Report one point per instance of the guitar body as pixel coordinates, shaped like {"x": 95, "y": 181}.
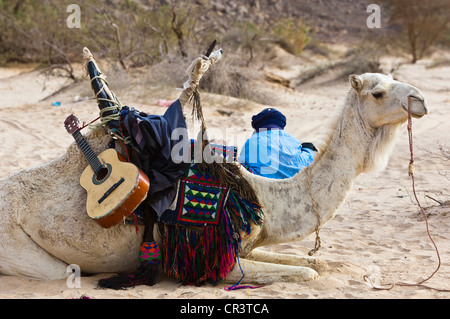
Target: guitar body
{"x": 115, "y": 190}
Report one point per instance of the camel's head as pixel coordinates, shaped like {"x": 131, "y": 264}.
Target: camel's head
{"x": 383, "y": 100}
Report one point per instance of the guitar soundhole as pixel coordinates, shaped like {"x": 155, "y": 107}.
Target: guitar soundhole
{"x": 102, "y": 174}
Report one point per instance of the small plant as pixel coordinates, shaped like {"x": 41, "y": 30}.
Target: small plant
{"x": 245, "y": 36}
{"x": 421, "y": 24}
{"x": 292, "y": 34}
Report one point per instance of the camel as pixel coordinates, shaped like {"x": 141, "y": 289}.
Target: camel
{"x": 44, "y": 226}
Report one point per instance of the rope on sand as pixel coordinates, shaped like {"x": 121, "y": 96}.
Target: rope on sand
{"x": 411, "y": 173}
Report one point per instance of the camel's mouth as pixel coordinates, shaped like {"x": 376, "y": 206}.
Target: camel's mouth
{"x": 418, "y": 107}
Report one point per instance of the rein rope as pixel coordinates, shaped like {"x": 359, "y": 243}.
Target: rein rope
{"x": 411, "y": 173}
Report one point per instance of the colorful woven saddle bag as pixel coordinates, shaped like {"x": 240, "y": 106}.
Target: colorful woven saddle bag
{"x": 201, "y": 236}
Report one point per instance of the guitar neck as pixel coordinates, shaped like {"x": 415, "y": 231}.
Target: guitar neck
{"x": 87, "y": 151}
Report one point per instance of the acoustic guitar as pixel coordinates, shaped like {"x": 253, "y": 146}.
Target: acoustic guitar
{"x": 114, "y": 187}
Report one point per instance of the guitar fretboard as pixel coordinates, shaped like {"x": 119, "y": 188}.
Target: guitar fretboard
{"x": 87, "y": 151}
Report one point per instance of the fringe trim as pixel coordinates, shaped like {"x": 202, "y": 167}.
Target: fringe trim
{"x": 149, "y": 258}
{"x": 145, "y": 275}
{"x": 195, "y": 255}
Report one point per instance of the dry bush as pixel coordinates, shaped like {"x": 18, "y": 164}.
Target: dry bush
{"x": 36, "y": 32}
{"x": 123, "y": 31}
{"x": 362, "y": 59}
{"x": 291, "y": 34}
{"x": 229, "y": 77}
{"x": 243, "y": 37}
{"x": 225, "y": 78}
{"x": 420, "y": 24}
{"x": 441, "y": 155}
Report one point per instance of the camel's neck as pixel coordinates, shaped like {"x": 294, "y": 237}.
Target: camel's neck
{"x": 289, "y": 204}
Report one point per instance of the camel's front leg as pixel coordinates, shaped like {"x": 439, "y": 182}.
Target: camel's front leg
{"x": 286, "y": 259}
{"x": 263, "y": 273}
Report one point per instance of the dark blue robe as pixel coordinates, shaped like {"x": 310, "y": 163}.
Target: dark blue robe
{"x": 152, "y": 140}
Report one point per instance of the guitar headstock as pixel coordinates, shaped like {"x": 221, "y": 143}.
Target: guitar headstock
{"x": 72, "y": 124}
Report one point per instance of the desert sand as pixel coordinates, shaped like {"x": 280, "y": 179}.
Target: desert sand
{"x": 379, "y": 231}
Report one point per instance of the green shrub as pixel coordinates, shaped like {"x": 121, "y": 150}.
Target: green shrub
{"x": 292, "y": 34}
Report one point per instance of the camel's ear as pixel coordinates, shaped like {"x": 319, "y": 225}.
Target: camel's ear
{"x": 356, "y": 82}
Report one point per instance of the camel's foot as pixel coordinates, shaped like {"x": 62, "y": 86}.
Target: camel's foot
{"x": 264, "y": 273}
{"x": 317, "y": 264}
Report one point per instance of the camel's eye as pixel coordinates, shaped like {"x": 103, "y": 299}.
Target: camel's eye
{"x": 377, "y": 95}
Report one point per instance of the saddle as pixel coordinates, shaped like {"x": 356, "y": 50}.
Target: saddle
{"x": 201, "y": 232}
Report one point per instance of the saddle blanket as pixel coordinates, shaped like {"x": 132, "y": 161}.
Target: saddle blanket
{"x": 200, "y": 200}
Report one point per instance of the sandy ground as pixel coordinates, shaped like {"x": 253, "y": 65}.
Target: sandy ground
{"x": 379, "y": 231}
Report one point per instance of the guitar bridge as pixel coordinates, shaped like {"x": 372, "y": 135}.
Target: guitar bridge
{"x": 110, "y": 190}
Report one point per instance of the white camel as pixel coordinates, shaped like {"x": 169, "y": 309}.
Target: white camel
{"x": 44, "y": 226}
